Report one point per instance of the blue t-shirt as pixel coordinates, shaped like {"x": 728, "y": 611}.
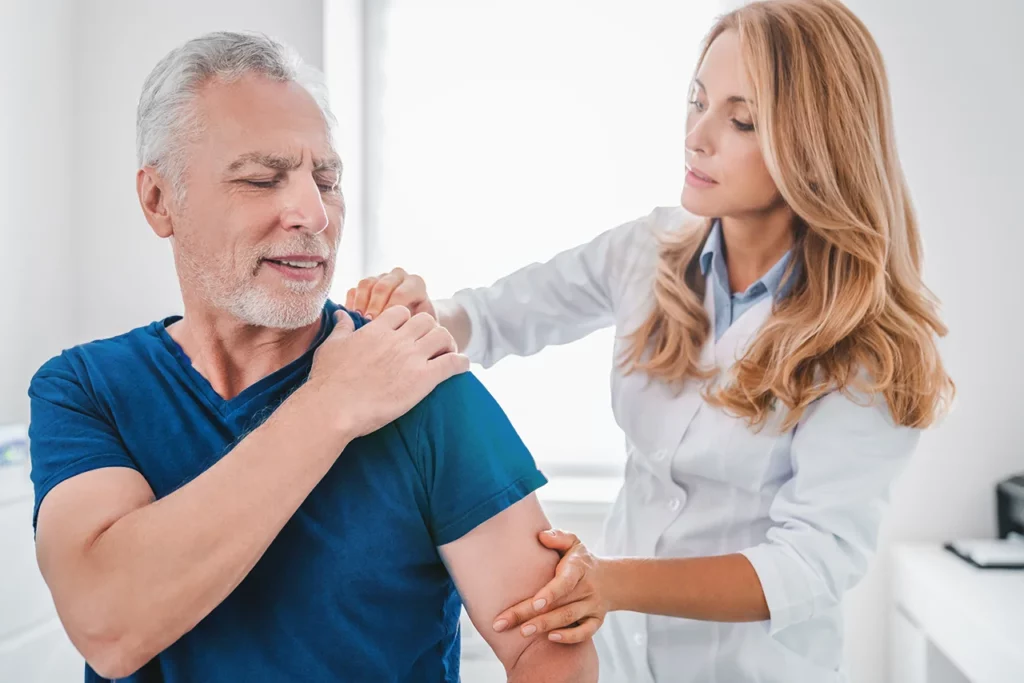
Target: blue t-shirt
{"x": 353, "y": 588}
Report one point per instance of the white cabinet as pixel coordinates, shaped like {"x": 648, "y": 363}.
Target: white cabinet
{"x": 33, "y": 646}
{"x": 953, "y": 623}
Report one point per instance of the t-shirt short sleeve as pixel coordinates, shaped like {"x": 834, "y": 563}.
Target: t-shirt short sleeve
{"x": 474, "y": 462}
{"x": 68, "y": 432}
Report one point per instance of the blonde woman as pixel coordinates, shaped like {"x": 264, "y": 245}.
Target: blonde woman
{"x": 775, "y": 364}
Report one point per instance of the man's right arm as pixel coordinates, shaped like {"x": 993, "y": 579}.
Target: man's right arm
{"x": 130, "y": 575}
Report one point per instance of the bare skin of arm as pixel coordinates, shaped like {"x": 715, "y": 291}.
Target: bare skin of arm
{"x": 499, "y": 563}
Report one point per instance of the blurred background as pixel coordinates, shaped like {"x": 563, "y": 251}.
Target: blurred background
{"x": 481, "y": 135}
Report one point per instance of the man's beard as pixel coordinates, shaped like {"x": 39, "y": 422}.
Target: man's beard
{"x": 226, "y": 287}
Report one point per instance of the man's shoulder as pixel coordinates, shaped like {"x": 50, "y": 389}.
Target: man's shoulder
{"x": 462, "y": 394}
{"x": 72, "y": 362}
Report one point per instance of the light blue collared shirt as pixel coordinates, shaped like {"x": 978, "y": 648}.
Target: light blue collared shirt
{"x": 728, "y": 306}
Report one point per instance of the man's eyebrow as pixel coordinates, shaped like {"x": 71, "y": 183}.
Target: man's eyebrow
{"x": 272, "y": 161}
{"x": 331, "y": 163}
{"x": 278, "y": 162}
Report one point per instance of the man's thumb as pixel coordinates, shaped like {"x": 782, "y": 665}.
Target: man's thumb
{"x": 343, "y": 324}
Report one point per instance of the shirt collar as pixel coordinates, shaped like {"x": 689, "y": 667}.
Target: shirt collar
{"x": 713, "y": 258}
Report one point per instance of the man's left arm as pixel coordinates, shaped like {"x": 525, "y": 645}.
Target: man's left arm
{"x": 500, "y": 563}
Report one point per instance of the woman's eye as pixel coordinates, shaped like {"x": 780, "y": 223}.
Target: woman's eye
{"x": 745, "y": 127}
{"x": 697, "y": 104}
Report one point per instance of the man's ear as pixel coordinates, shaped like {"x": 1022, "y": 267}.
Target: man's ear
{"x": 155, "y": 197}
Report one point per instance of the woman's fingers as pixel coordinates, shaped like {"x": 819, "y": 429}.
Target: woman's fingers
{"x": 558, "y": 618}
{"x": 567, "y": 576}
{"x": 380, "y": 294}
{"x": 585, "y": 630}
{"x": 515, "y": 615}
{"x": 556, "y": 539}
{"x": 361, "y": 297}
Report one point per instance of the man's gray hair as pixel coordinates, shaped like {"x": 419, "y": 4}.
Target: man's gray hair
{"x": 167, "y": 118}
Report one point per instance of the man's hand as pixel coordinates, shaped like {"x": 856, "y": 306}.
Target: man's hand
{"x": 398, "y": 288}
{"x": 370, "y": 377}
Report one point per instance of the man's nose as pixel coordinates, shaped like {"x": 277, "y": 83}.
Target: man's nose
{"x": 304, "y": 207}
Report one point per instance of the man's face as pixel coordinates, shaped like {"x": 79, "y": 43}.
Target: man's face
{"x": 258, "y": 232}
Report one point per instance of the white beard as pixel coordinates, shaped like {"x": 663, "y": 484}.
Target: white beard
{"x": 248, "y": 301}
{"x": 255, "y": 306}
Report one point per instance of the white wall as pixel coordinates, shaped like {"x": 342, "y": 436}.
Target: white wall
{"x": 36, "y": 187}
{"x": 124, "y": 275}
{"x": 36, "y": 301}
{"x": 957, "y": 79}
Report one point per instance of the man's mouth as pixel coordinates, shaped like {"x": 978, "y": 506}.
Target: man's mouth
{"x": 295, "y": 264}
{"x": 304, "y": 267}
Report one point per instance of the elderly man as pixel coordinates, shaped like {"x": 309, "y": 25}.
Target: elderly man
{"x": 271, "y": 488}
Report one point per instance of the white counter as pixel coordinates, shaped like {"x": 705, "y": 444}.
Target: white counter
{"x": 944, "y": 608}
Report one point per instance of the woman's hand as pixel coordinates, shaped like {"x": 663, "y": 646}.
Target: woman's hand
{"x": 572, "y": 606}
{"x": 398, "y": 288}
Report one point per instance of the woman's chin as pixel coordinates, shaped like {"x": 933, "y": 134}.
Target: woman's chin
{"x": 697, "y": 205}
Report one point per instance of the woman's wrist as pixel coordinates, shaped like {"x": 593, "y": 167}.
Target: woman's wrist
{"x": 615, "y": 581}
{"x": 453, "y": 317}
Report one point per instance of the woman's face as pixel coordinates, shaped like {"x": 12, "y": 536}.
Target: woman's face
{"x": 726, "y": 174}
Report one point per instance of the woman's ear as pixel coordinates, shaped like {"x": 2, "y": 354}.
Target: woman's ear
{"x": 154, "y": 198}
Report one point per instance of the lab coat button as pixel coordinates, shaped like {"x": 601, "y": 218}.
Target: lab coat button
{"x": 674, "y": 504}
{"x": 638, "y": 639}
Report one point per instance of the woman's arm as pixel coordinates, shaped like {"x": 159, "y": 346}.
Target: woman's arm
{"x": 722, "y": 588}
{"x": 556, "y": 302}
{"x": 586, "y": 588}
{"x": 544, "y": 304}
{"x": 825, "y": 519}
{"x": 711, "y": 589}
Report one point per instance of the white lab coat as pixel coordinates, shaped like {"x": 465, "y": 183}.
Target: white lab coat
{"x": 803, "y": 506}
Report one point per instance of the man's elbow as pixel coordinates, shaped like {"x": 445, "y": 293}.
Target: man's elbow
{"x": 110, "y": 659}
{"x": 111, "y": 663}
{"x": 111, "y": 651}
{"x": 542, "y": 661}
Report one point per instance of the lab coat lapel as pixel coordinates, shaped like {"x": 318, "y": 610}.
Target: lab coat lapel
{"x": 690, "y": 399}
{"x": 733, "y": 344}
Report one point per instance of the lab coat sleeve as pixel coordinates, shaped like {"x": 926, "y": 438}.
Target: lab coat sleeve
{"x": 556, "y": 302}
{"x": 845, "y": 454}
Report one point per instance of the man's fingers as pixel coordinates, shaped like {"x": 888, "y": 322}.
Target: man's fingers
{"x": 448, "y": 365}
{"x": 584, "y": 631}
{"x": 394, "y": 317}
{"x": 419, "y": 326}
{"x": 436, "y": 342}
{"x": 343, "y": 324}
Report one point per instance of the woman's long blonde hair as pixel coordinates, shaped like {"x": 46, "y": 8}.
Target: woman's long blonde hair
{"x": 858, "y": 315}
